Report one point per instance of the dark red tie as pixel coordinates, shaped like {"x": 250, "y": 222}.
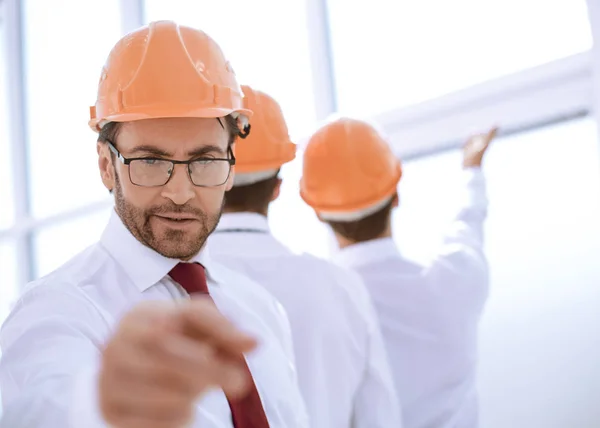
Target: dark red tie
{"x": 246, "y": 412}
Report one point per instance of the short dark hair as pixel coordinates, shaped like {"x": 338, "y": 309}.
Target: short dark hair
{"x": 110, "y": 131}
{"x": 365, "y": 229}
{"x": 254, "y": 198}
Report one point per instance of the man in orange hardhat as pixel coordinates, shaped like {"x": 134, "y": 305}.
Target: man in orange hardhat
{"x": 341, "y": 360}
{"x": 112, "y": 337}
{"x": 428, "y": 314}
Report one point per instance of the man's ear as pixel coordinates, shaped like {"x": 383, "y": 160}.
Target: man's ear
{"x": 276, "y": 190}
{"x": 395, "y": 201}
{"x": 105, "y": 164}
{"x": 231, "y": 179}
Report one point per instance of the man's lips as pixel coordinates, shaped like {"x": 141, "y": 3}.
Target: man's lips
{"x": 177, "y": 218}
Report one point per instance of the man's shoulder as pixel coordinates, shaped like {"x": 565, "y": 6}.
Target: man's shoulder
{"x": 324, "y": 278}
{"x": 331, "y": 274}
{"x": 242, "y": 285}
{"x": 66, "y": 281}
{"x": 253, "y": 297}
{"x": 315, "y": 273}
{"x": 75, "y": 271}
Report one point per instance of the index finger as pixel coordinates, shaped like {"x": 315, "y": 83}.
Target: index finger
{"x": 201, "y": 320}
{"x": 491, "y": 134}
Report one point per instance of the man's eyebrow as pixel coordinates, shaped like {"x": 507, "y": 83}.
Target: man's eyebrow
{"x": 155, "y": 151}
{"x": 200, "y": 151}
{"x": 151, "y": 150}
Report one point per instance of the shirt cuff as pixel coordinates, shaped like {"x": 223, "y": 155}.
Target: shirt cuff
{"x": 475, "y": 195}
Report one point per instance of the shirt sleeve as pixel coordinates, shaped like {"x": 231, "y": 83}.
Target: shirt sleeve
{"x": 467, "y": 228}
{"x": 460, "y": 268}
{"x": 50, "y": 355}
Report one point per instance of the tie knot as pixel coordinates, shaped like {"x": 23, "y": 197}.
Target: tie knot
{"x": 191, "y": 276}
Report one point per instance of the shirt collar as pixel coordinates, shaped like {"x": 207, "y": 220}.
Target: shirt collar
{"x": 243, "y": 221}
{"x": 144, "y": 266}
{"x": 366, "y": 252}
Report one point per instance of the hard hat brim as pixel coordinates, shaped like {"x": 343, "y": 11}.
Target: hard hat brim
{"x": 164, "y": 112}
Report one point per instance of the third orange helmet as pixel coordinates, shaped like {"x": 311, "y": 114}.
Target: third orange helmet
{"x": 348, "y": 168}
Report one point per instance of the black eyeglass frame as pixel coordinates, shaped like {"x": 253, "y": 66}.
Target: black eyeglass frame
{"x": 127, "y": 162}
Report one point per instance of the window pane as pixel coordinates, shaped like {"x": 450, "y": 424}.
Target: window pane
{"x": 6, "y": 185}
{"x": 8, "y": 277}
{"x": 543, "y": 245}
{"x": 394, "y": 53}
{"x": 266, "y": 42}
{"x": 66, "y": 46}
{"x": 55, "y": 245}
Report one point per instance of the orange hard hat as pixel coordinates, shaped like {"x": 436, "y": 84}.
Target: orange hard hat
{"x": 349, "y": 170}
{"x": 268, "y": 146}
{"x": 166, "y": 70}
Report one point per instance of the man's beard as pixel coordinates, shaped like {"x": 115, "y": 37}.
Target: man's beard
{"x": 174, "y": 244}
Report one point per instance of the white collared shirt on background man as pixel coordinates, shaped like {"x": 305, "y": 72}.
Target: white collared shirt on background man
{"x": 341, "y": 361}
{"x": 429, "y": 314}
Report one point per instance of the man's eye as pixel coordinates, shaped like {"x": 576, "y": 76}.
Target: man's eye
{"x": 204, "y": 161}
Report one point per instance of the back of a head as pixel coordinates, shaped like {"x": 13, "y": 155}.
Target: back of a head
{"x": 350, "y": 176}
{"x": 260, "y": 157}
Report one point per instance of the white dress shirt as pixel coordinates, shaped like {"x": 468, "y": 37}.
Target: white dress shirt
{"x": 52, "y": 340}
{"x": 429, "y": 315}
{"x": 341, "y": 360}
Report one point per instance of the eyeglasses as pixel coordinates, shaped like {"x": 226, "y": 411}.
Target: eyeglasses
{"x": 155, "y": 172}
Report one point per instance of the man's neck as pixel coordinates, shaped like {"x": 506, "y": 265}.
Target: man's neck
{"x": 345, "y": 242}
{"x": 234, "y": 210}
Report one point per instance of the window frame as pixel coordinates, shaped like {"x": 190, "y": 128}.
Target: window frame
{"x": 546, "y": 94}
